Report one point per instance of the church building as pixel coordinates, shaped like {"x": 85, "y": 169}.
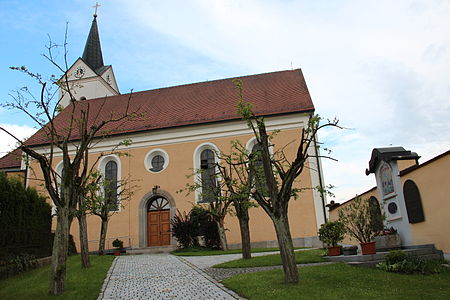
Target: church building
{"x": 181, "y": 130}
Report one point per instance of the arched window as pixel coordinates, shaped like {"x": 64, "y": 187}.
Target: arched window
{"x": 375, "y": 214}
{"x": 257, "y": 170}
{"x": 413, "y": 202}
{"x": 208, "y": 176}
{"x": 111, "y": 185}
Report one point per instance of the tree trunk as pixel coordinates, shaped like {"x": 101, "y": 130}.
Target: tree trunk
{"x": 245, "y": 235}
{"x": 286, "y": 249}
{"x": 85, "y": 261}
{"x": 104, "y": 228}
{"x": 222, "y": 236}
{"x": 59, "y": 253}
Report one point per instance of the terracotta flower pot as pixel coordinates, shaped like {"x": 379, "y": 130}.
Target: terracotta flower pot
{"x": 116, "y": 252}
{"x": 368, "y": 248}
{"x": 334, "y": 251}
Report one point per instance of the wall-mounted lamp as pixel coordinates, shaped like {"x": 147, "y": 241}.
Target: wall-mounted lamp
{"x": 155, "y": 189}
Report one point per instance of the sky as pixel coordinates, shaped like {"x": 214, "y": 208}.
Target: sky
{"x": 381, "y": 67}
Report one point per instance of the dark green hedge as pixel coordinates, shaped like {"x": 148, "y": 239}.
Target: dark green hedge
{"x": 25, "y": 219}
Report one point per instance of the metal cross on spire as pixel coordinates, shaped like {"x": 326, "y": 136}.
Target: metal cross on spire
{"x": 96, "y": 6}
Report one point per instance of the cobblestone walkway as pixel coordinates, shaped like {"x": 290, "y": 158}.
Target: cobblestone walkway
{"x": 160, "y": 276}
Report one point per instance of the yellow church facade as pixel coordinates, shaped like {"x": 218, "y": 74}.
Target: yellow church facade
{"x": 181, "y": 148}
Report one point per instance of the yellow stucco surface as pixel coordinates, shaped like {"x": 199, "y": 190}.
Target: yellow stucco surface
{"x": 125, "y": 224}
{"x": 434, "y": 187}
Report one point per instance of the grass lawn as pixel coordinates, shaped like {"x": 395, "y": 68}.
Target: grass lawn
{"x": 206, "y": 251}
{"x": 80, "y": 283}
{"x": 302, "y": 257}
{"x": 340, "y": 281}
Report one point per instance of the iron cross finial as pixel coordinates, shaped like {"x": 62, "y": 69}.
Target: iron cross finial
{"x": 96, "y": 6}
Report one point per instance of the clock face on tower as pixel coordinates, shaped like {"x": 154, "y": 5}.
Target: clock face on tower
{"x": 80, "y": 71}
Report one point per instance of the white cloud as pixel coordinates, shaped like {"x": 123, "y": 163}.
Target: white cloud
{"x": 382, "y": 67}
{"x": 8, "y": 143}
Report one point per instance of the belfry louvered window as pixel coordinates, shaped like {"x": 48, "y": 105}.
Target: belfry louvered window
{"x": 208, "y": 176}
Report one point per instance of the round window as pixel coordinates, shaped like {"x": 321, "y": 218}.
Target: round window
{"x": 156, "y": 160}
{"x": 157, "y": 163}
{"x": 392, "y": 207}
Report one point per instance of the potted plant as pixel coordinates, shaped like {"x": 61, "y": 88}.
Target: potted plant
{"x": 332, "y": 233}
{"x": 359, "y": 222}
{"x": 118, "y": 244}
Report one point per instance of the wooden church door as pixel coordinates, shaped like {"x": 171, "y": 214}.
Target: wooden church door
{"x": 158, "y": 222}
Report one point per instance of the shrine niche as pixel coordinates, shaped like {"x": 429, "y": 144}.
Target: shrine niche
{"x": 387, "y": 184}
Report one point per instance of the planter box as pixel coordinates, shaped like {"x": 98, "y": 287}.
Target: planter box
{"x": 388, "y": 242}
{"x": 334, "y": 251}
{"x": 351, "y": 250}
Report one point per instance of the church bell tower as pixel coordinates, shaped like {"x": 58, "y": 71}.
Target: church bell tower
{"x": 88, "y": 77}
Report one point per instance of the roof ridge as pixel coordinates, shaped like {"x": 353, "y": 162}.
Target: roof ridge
{"x": 197, "y": 83}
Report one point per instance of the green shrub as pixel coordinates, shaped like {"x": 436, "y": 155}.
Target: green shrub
{"x": 24, "y": 262}
{"x": 398, "y": 262}
{"x": 117, "y": 244}
{"x": 332, "y": 233}
{"x": 204, "y": 226}
{"x": 394, "y": 256}
{"x": 184, "y": 230}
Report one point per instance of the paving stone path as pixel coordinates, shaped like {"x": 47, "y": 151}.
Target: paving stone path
{"x": 160, "y": 276}
{"x": 164, "y": 276}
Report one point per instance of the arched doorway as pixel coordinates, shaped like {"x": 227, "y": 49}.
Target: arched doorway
{"x": 158, "y": 222}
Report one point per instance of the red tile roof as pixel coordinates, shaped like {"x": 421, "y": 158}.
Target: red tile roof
{"x": 11, "y": 160}
{"x": 204, "y": 102}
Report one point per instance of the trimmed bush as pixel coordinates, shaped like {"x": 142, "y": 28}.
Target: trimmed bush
{"x": 332, "y": 233}
{"x": 25, "y": 220}
{"x": 394, "y": 257}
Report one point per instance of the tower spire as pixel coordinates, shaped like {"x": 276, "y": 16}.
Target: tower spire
{"x": 92, "y": 54}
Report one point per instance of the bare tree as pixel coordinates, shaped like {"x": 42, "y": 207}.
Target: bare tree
{"x": 280, "y": 174}
{"x": 69, "y": 133}
{"x": 237, "y": 180}
{"x": 103, "y": 198}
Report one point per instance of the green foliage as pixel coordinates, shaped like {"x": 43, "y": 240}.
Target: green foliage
{"x": 186, "y": 227}
{"x": 340, "y": 281}
{"x": 71, "y": 248}
{"x": 394, "y": 257}
{"x": 82, "y": 283}
{"x": 332, "y": 233}
{"x": 117, "y": 244}
{"x": 301, "y": 257}
{"x": 358, "y": 219}
{"x": 203, "y": 251}
{"x": 25, "y": 219}
{"x": 184, "y": 230}
{"x": 399, "y": 262}
{"x": 24, "y": 262}
{"x": 204, "y": 225}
